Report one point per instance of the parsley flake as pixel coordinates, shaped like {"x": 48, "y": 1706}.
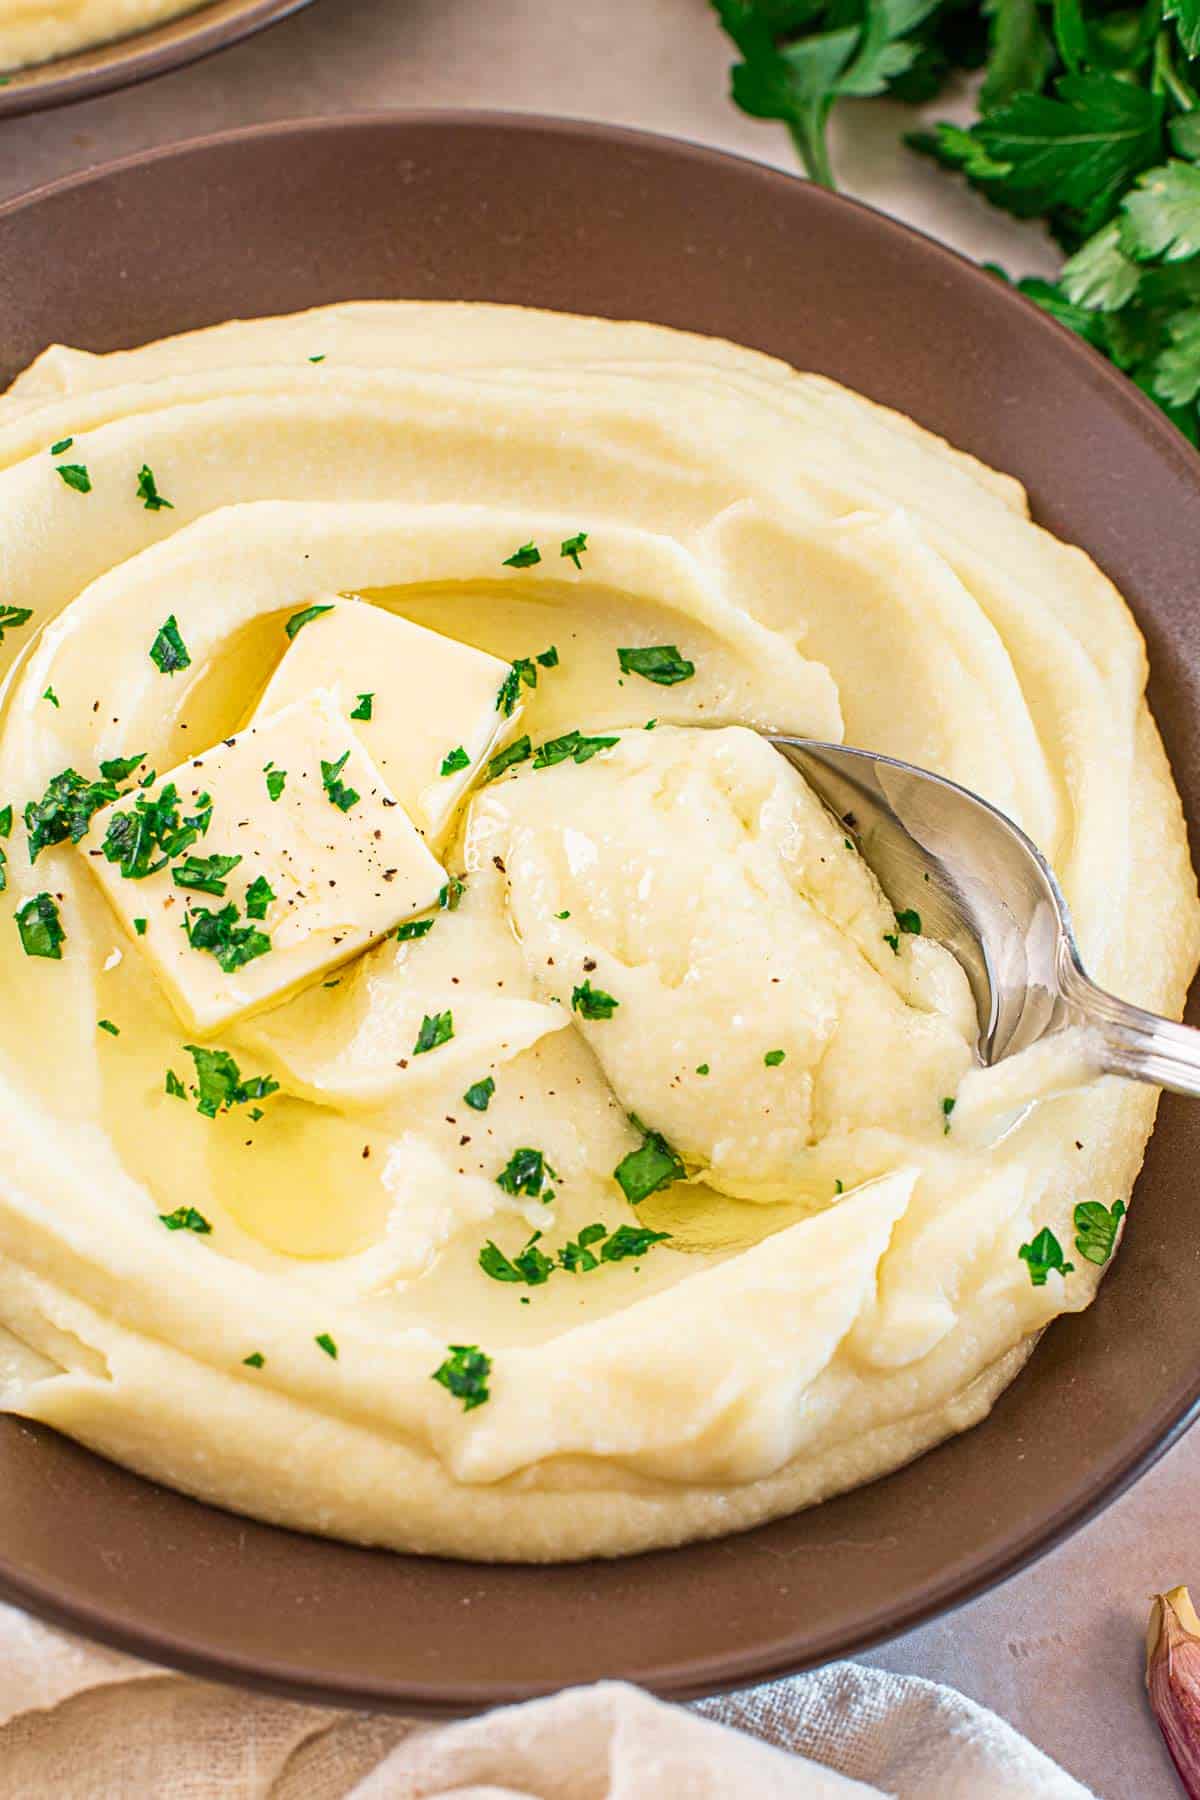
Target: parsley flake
{"x": 107, "y": 1025}
{"x": 702, "y": 1068}
{"x": 276, "y": 782}
{"x": 478, "y": 1096}
{"x": 6, "y": 821}
{"x": 13, "y": 617}
{"x": 339, "y": 794}
{"x": 451, "y": 895}
{"x": 892, "y": 938}
{"x": 41, "y": 928}
{"x": 75, "y": 476}
{"x": 436, "y": 1028}
{"x": 530, "y": 1265}
{"x": 593, "y": 1003}
{"x": 454, "y": 760}
{"x": 205, "y": 874}
{"x": 299, "y": 620}
{"x": 414, "y": 928}
{"x": 327, "y": 1344}
{"x": 62, "y": 446}
{"x": 1096, "y": 1228}
{"x": 52, "y": 697}
{"x": 65, "y": 810}
{"x": 186, "y": 1218}
{"x": 629, "y": 1241}
{"x": 548, "y": 658}
{"x": 525, "y": 1173}
{"x": 259, "y": 896}
{"x": 524, "y": 558}
{"x": 909, "y": 921}
{"x": 465, "y": 1375}
{"x": 148, "y": 494}
{"x": 574, "y": 547}
{"x": 221, "y": 935}
{"x": 140, "y": 925}
{"x": 256, "y": 1359}
{"x": 1043, "y": 1256}
{"x": 518, "y": 751}
{"x": 948, "y": 1105}
{"x": 364, "y": 712}
{"x": 168, "y": 652}
{"x": 219, "y": 1082}
{"x": 661, "y": 663}
{"x": 773, "y": 1058}
{"x": 144, "y": 841}
{"x": 652, "y": 1166}
{"x": 174, "y": 1087}
{"x": 572, "y": 744}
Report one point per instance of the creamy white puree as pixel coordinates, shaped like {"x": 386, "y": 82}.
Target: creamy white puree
{"x": 842, "y": 1284}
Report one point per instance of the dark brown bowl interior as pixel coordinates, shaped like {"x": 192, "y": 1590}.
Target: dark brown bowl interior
{"x": 123, "y": 61}
{"x": 604, "y": 221}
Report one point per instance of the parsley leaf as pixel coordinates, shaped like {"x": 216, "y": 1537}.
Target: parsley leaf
{"x": 219, "y": 1082}
{"x": 339, "y": 794}
{"x": 6, "y": 821}
{"x": 518, "y": 751}
{"x": 186, "y": 1218}
{"x": 436, "y": 1028}
{"x": 652, "y": 1166}
{"x": 65, "y": 810}
{"x": 327, "y": 1344}
{"x": 75, "y": 476}
{"x": 120, "y": 768}
{"x": 450, "y": 896}
{"x": 478, "y": 1096}
{"x": 1043, "y": 1255}
{"x": 13, "y": 617}
{"x": 221, "y": 935}
{"x": 256, "y": 1359}
{"x": 206, "y": 874}
{"x": 1096, "y": 1228}
{"x": 41, "y": 928}
{"x": 107, "y": 1025}
{"x": 299, "y": 620}
{"x": 259, "y": 896}
{"x": 276, "y": 782}
{"x": 465, "y": 1375}
{"x": 52, "y": 697}
{"x": 525, "y": 1173}
{"x": 148, "y": 494}
{"x": 910, "y": 922}
{"x": 414, "y": 928}
{"x": 574, "y": 547}
{"x": 948, "y": 1105}
{"x": 174, "y": 1087}
{"x": 530, "y": 1265}
{"x": 548, "y": 658}
{"x": 62, "y": 446}
{"x": 3, "y": 872}
{"x": 572, "y": 744}
{"x": 661, "y": 663}
{"x": 168, "y": 652}
{"x": 524, "y": 558}
{"x": 593, "y": 1003}
{"x": 143, "y": 841}
{"x": 773, "y": 1058}
{"x": 454, "y": 760}
{"x": 523, "y": 673}
{"x": 365, "y": 710}
{"x": 629, "y": 1241}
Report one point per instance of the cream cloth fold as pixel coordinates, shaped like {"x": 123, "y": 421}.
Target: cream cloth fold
{"x": 83, "y": 1723}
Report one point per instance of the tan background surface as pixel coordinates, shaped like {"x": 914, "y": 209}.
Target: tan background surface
{"x": 1058, "y": 1650}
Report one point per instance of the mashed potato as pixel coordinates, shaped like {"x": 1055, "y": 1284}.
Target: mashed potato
{"x": 462, "y": 1092}
{"x": 36, "y": 31}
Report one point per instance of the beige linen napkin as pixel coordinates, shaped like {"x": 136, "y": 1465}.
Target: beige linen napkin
{"x": 82, "y": 1723}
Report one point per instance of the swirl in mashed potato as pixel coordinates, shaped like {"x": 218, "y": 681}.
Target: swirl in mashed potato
{"x": 462, "y": 1092}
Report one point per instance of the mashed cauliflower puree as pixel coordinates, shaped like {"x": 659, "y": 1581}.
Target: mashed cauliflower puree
{"x": 36, "y": 31}
{"x": 461, "y": 1091}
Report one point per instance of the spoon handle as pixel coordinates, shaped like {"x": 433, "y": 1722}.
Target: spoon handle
{"x": 1133, "y": 1042}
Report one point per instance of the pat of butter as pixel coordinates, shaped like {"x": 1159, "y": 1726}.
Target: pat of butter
{"x": 429, "y": 696}
{"x": 340, "y": 875}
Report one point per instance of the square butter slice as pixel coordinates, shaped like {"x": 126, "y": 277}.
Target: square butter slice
{"x": 340, "y": 875}
{"x": 429, "y": 695}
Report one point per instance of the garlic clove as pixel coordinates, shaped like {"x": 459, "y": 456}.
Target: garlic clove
{"x": 1173, "y": 1681}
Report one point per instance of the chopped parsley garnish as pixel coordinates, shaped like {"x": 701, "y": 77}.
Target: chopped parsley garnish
{"x": 41, "y": 928}
{"x": 530, "y": 1265}
{"x": 436, "y": 1028}
{"x": 910, "y": 922}
{"x": 3, "y": 872}
{"x": 143, "y": 841}
{"x": 948, "y": 1105}
{"x": 1096, "y": 1228}
{"x": 564, "y": 914}
{"x": 650, "y": 725}
{"x": 62, "y": 446}
{"x": 206, "y": 874}
{"x": 631, "y": 1240}
{"x": 147, "y": 491}
{"x": 773, "y": 1058}
{"x": 465, "y": 1374}
{"x": 571, "y": 744}
{"x": 6, "y": 821}
{"x": 259, "y": 896}
{"x": 65, "y": 810}
{"x": 450, "y": 895}
{"x": 168, "y": 652}
{"x": 525, "y": 1173}
{"x": 574, "y": 547}
{"x": 174, "y": 1087}
{"x": 654, "y": 1165}
{"x": 120, "y": 768}
{"x": 593, "y": 1003}
{"x": 1044, "y": 1255}
{"x": 107, "y": 1025}
{"x": 139, "y": 925}
{"x": 365, "y": 710}
{"x": 186, "y": 1218}
{"x": 13, "y": 617}
{"x": 327, "y": 1344}
{"x": 892, "y": 938}
{"x": 340, "y": 795}
{"x": 317, "y": 359}
{"x": 576, "y": 1256}
{"x": 276, "y": 782}
{"x": 520, "y": 750}
{"x": 75, "y": 476}
{"x": 415, "y": 928}
{"x": 657, "y": 662}
{"x": 454, "y": 760}
{"x": 523, "y": 672}
{"x": 702, "y": 1068}
{"x": 299, "y": 620}
{"x": 478, "y": 1096}
{"x": 256, "y": 1359}
{"x": 219, "y": 1082}
{"x": 223, "y": 936}
{"x": 524, "y": 558}
{"x": 52, "y": 697}
{"x": 548, "y": 658}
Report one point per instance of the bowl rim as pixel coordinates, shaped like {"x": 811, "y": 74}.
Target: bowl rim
{"x": 682, "y": 1678}
{"x": 136, "y": 56}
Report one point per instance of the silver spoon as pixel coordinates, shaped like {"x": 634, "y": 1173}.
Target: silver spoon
{"x": 984, "y": 890}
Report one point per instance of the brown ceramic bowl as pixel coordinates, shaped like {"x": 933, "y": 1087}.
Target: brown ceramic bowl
{"x": 591, "y": 219}
{"x": 126, "y": 60}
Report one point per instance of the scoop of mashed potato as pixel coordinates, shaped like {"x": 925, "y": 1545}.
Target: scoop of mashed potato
{"x": 503, "y": 1116}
